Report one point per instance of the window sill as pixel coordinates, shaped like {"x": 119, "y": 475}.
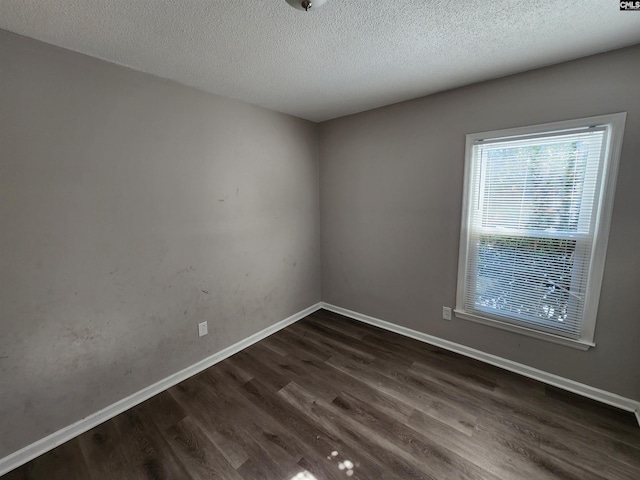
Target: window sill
{"x": 549, "y": 337}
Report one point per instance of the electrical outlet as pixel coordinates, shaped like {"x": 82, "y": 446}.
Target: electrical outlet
{"x": 446, "y": 313}
{"x": 202, "y": 329}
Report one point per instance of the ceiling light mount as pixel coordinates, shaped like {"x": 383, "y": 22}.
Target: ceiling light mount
{"x": 306, "y": 5}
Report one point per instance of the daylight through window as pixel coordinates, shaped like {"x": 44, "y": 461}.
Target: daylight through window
{"x": 535, "y": 225}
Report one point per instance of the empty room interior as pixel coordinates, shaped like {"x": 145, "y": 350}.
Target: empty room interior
{"x": 316, "y": 240}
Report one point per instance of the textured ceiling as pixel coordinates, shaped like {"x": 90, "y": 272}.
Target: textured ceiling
{"x": 346, "y": 57}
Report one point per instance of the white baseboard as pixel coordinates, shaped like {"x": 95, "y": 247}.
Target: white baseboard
{"x": 49, "y": 442}
{"x": 548, "y": 378}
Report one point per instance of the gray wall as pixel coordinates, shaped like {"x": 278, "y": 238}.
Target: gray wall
{"x": 391, "y": 189}
{"x": 132, "y": 208}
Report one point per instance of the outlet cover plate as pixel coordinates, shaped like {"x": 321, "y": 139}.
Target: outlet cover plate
{"x": 202, "y": 329}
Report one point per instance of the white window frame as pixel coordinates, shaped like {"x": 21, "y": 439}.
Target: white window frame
{"x": 602, "y": 212}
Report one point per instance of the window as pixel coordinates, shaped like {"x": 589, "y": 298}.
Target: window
{"x": 535, "y": 223}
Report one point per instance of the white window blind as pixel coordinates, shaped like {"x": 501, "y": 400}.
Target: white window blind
{"x": 532, "y": 221}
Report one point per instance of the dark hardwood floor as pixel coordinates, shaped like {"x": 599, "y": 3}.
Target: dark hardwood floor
{"x": 330, "y": 398}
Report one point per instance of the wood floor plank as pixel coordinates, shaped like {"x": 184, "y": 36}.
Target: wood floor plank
{"x": 102, "y": 447}
{"x": 211, "y": 414}
{"x": 608, "y": 421}
{"x": 503, "y": 461}
{"x": 329, "y": 396}
{"x": 453, "y": 415}
{"x": 409, "y": 444}
{"x": 326, "y": 383}
{"x": 306, "y": 370}
{"x": 521, "y": 447}
{"x": 337, "y": 323}
{"x": 277, "y": 344}
{"x": 244, "y": 362}
{"x": 321, "y": 352}
{"x": 147, "y": 453}
{"x": 315, "y": 435}
{"x": 517, "y": 414}
{"x": 369, "y": 458}
{"x": 511, "y": 415}
{"x": 623, "y": 430}
{"x": 164, "y": 410}
{"x": 319, "y": 335}
{"x": 227, "y": 448}
{"x": 197, "y": 453}
{"x": 245, "y": 428}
